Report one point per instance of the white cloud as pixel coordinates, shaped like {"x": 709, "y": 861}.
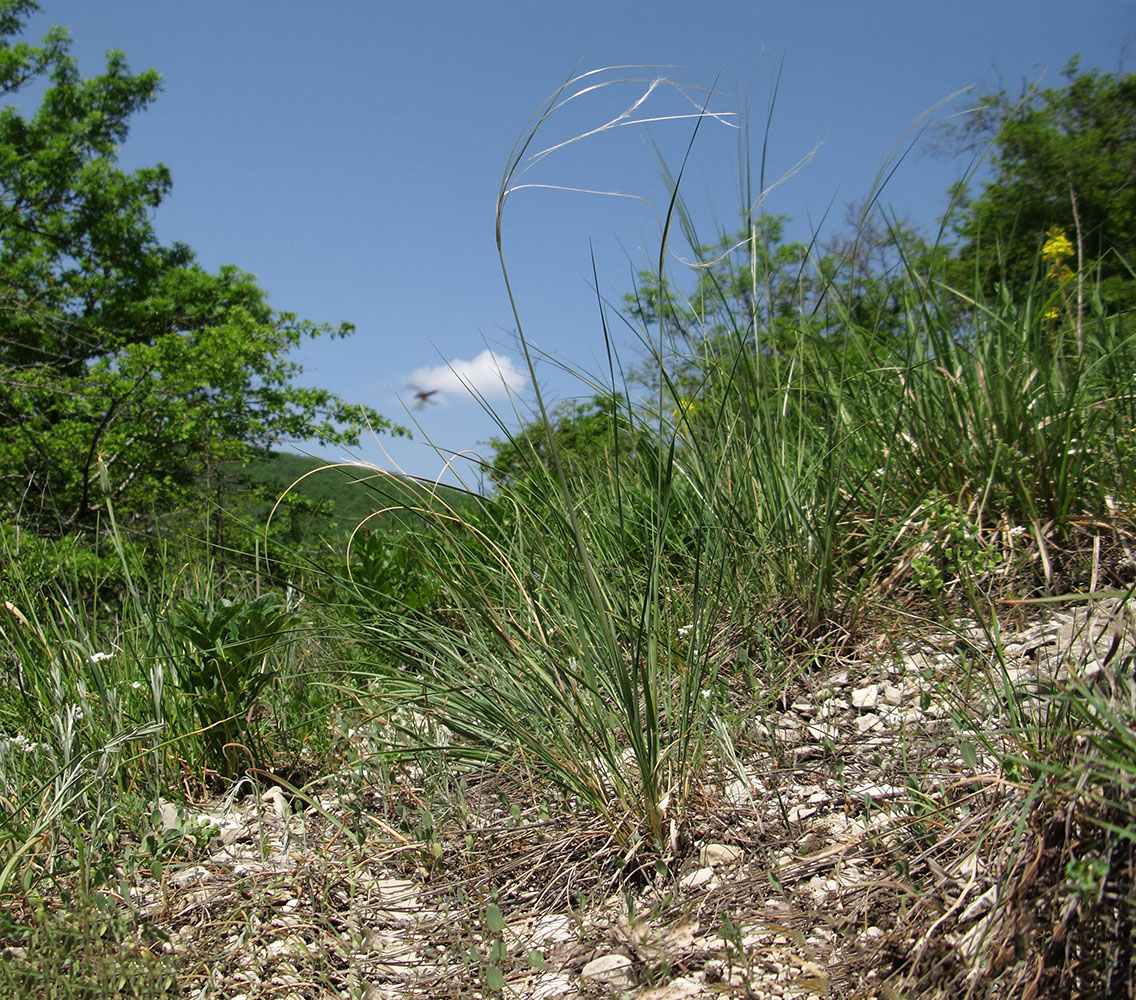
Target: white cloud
{"x": 489, "y": 375}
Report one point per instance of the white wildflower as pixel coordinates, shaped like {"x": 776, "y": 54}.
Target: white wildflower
{"x": 21, "y": 742}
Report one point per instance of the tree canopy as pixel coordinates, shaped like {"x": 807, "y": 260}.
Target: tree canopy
{"x": 1064, "y": 168}
{"x": 587, "y": 434}
{"x": 1060, "y": 198}
{"x": 126, "y": 368}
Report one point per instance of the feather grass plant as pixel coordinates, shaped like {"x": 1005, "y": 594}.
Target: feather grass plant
{"x": 581, "y": 620}
{"x": 556, "y": 645}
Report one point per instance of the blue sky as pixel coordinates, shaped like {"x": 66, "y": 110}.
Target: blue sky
{"x": 350, "y": 155}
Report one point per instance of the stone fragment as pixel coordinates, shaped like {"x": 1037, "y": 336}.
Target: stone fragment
{"x": 399, "y": 897}
{"x": 713, "y": 855}
{"x": 834, "y": 706}
{"x": 838, "y": 826}
{"x": 278, "y": 801}
{"x": 809, "y": 842}
{"x": 553, "y": 986}
{"x": 676, "y": 989}
{"x": 918, "y": 663}
{"x": 551, "y": 929}
{"x": 788, "y": 735}
{"x": 798, "y": 813}
{"x": 713, "y": 972}
{"x": 230, "y": 829}
{"x": 697, "y": 878}
{"x": 612, "y": 970}
{"x": 168, "y": 815}
{"x": 869, "y": 722}
{"x": 189, "y": 876}
{"x": 290, "y": 946}
{"x": 809, "y": 751}
{"x": 680, "y": 936}
{"x": 738, "y": 793}
{"x": 866, "y": 698}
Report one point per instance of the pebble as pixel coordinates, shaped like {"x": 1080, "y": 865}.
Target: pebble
{"x": 275, "y": 797}
{"x": 719, "y": 854}
{"x": 613, "y": 970}
{"x": 194, "y": 874}
{"x": 551, "y": 929}
{"x": 866, "y": 698}
{"x": 553, "y": 986}
{"x": 169, "y": 815}
{"x": 698, "y": 877}
{"x": 867, "y": 723}
{"x": 738, "y": 793}
{"x": 676, "y": 989}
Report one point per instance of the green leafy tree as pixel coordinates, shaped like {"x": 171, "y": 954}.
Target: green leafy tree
{"x": 756, "y": 294}
{"x": 588, "y": 436}
{"x": 747, "y": 292}
{"x": 126, "y": 369}
{"x": 1064, "y": 168}
{"x": 872, "y": 274}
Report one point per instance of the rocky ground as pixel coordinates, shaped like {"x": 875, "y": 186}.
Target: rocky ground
{"x": 863, "y": 843}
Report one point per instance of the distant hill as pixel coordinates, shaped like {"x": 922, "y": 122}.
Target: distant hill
{"x": 335, "y": 497}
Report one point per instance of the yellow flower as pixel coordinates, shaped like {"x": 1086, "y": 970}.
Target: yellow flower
{"x": 686, "y": 407}
{"x": 1057, "y": 247}
{"x": 1054, "y": 252}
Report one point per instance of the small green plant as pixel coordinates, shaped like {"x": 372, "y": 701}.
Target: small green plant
{"x": 496, "y": 954}
{"x": 228, "y": 669}
{"x": 955, "y": 549}
{"x": 90, "y": 949}
{"x": 386, "y": 567}
{"x": 737, "y": 955}
{"x": 1084, "y": 876}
